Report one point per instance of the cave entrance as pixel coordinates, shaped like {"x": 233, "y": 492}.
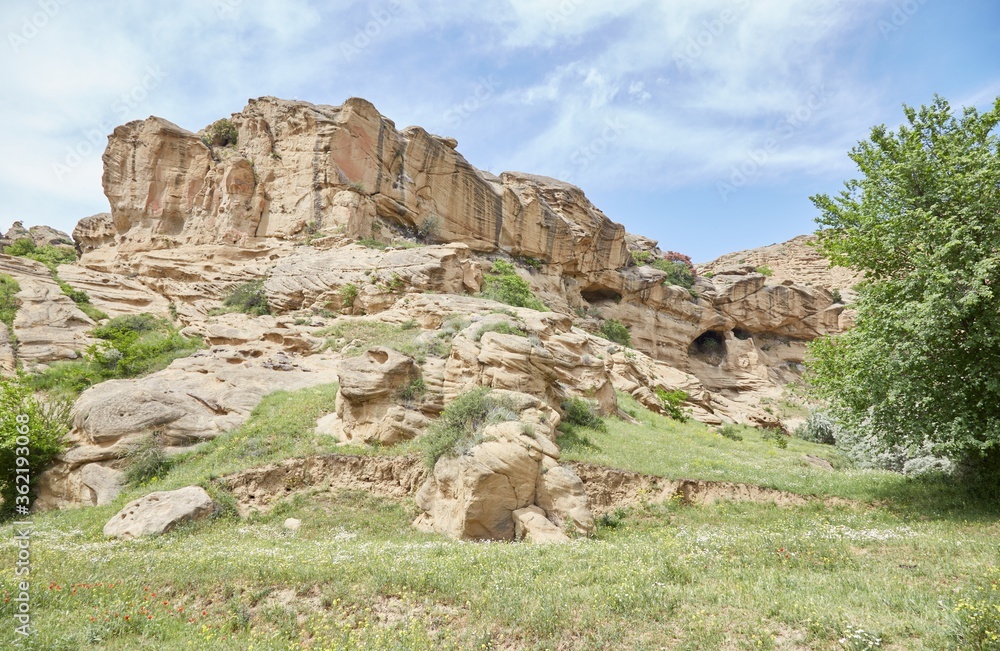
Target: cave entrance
{"x": 709, "y": 347}
{"x": 597, "y": 294}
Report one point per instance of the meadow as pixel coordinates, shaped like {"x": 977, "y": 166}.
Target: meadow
{"x": 905, "y": 564}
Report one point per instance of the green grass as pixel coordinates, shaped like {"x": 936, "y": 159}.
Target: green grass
{"x": 668, "y": 448}
{"x": 366, "y": 335}
{"x": 128, "y": 346}
{"x": 358, "y": 576}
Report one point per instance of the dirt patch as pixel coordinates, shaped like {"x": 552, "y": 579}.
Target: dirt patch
{"x": 609, "y": 489}
{"x": 259, "y": 489}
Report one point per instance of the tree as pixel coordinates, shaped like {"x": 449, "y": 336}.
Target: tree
{"x": 919, "y": 374}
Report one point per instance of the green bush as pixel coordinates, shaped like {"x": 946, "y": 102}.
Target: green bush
{"x": 774, "y": 435}
{"x": 248, "y": 298}
{"x": 731, "y": 431}
{"x": 128, "y": 346}
{"x": 31, "y": 430}
{"x": 8, "y": 300}
{"x": 503, "y": 285}
{"x": 678, "y": 273}
{"x": 348, "y": 294}
{"x": 460, "y": 425}
{"x": 582, "y": 413}
{"x": 765, "y": 270}
{"x": 145, "y": 461}
{"x": 413, "y": 391}
{"x": 50, "y": 256}
{"x": 820, "y": 427}
{"x": 221, "y": 133}
{"x": 614, "y": 330}
{"x": 672, "y": 401}
{"x": 503, "y": 327}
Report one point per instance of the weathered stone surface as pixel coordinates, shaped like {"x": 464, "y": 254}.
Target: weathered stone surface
{"x": 94, "y": 232}
{"x": 193, "y": 400}
{"x": 314, "y": 279}
{"x": 160, "y": 512}
{"x": 114, "y": 294}
{"x": 367, "y": 402}
{"x": 48, "y": 325}
{"x": 476, "y": 494}
{"x": 306, "y": 157}
{"x": 531, "y": 525}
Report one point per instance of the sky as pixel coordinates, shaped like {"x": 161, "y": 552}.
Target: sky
{"x": 703, "y": 124}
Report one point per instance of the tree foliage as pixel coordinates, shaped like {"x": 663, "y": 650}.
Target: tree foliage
{"x": 917, "y": 375}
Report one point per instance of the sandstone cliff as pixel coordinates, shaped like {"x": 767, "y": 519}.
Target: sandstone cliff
{"x": 347, "y": 220}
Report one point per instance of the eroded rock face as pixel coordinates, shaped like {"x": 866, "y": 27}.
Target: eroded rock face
{"x": 160, "y": 512}
{"x": 166, "y": 187}
{"x": 193, "y": 400}
{"x": 48, "y": 325}
{"x": 476, "y": 495}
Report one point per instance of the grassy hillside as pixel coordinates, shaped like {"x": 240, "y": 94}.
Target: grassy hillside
{"x": 357, "y": 576}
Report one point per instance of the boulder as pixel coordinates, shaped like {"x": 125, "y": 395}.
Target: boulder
{"x": 159, "y": 512}
{"x": 531, "y": 525}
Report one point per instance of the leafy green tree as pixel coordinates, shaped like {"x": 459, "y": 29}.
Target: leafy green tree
{"x": 31, "y": 434}
{"x": 917, "y": 376}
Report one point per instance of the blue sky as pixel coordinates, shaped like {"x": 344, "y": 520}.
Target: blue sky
{"x": 704, "y": 124}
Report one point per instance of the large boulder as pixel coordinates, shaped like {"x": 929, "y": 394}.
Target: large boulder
{"x": 475, "y": 495}
{"x": 160, "y": 512}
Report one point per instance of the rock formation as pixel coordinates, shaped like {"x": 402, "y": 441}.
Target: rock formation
{"x": 344, "y": 219}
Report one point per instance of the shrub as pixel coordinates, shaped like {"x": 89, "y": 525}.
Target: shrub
{"x": 50, "y": 256}
{"x": 129, "y": 346}
{"x": 248, "y": 298}
{"x": 221, "y": 133}
{"x": 774, "y": 435}
{"x": 503, "y": 285}
{"x": 672, "y": 401}
{"x": 582, "y": 413}
{"x": 614, "y": 330}
{"x": 731, "y": 431}
{"x": 429, "y": 228}
{"x": 145, "y": 460}
{"x": 459, "y": 428}
{"x": 765, "y": 270}
{"x": 348, "y": 294}
{"x": 8, "y": 300}
{"x": 29, "y": 429}
{"x": 640, "y": 258}
{"x": 820, "y": 427}
{"x": 837, "y": 298}
{"x": 413, "y": 391}
{"x": 503, "y": 327}
{"x": 678, "y": 273}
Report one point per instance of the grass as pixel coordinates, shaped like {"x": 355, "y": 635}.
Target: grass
{"x": 8, "y": 300}
{"x": 246, "y": 298}
{"x": 365, "y": 335}
{"x": 358, "y": 576}
{"x": 128, "y": 346}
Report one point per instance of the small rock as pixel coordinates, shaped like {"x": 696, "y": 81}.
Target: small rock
{"x": 292, "y": 524}
{"x": 819, "y": 462}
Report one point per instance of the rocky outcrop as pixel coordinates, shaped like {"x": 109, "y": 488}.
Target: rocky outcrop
{"x": 159, "y": 512}
{"x": 94, "y": 232}
{"x": 475, "y": 495}
{"x": 193, "y": 400}
{"x": 294, "y": 169}
{"x": 48, "y": 325}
